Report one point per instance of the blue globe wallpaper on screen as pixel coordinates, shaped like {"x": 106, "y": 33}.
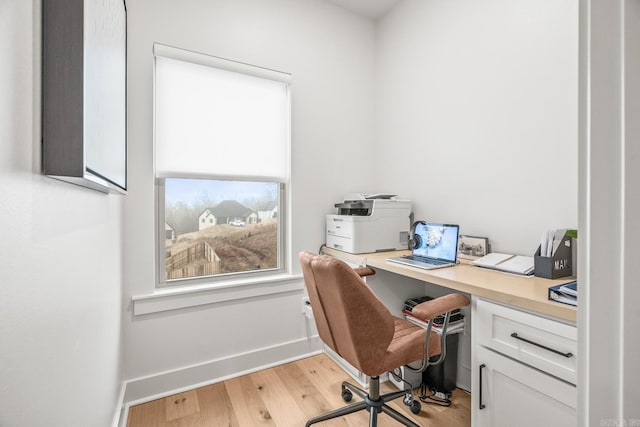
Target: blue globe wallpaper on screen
{"x": 437, "y": 241}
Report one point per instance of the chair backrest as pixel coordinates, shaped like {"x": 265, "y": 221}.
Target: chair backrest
{"x": 350, "y": 318}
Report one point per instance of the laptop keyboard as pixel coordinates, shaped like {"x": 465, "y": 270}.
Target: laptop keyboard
{"x": 428, "y": 260}
{"x": 421, "y": 262}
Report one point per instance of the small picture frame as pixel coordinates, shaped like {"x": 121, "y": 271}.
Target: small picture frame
{"x": 472, "y": 247}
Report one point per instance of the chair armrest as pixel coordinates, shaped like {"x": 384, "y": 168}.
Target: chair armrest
{"x": 429, "y": 310}
{"x": 364, "y": 271}
{"x": 441, "y": 305}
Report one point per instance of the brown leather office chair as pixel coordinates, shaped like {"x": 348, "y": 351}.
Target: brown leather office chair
{"x": 355, "y": 324}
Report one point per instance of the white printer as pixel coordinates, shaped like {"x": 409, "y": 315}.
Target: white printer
{"x": 369, "y": 223}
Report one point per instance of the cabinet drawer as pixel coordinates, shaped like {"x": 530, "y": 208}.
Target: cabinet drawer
{"x": 339, "y": 227}
{"x": 545, "y": 344}
{"x": 340, "y": 243}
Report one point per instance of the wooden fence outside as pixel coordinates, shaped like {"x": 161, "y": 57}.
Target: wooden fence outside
{"x": 177, "y": 266}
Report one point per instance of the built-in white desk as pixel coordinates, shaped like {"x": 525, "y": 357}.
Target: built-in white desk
{"x": 527, "y": 293}
{"x": 524, "y": 347}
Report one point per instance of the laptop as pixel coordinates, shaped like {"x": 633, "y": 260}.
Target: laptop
{"x": 436, "y": 246}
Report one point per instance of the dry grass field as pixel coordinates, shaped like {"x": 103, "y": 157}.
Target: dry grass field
{"x": 251, "y": 247}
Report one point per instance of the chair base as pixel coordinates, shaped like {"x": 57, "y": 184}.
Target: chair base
{"x": 372, "y": 402}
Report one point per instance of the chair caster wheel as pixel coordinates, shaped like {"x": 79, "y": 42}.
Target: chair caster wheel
{"x": 347, "y": 395}
{"x": 415, "y": 407}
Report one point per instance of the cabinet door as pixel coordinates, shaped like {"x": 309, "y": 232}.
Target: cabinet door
{"x": 514, "y": 394}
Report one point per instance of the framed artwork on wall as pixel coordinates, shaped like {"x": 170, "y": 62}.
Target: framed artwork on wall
{"x": 84, "y": 93}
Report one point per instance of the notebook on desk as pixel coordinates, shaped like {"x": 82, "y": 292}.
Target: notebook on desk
{"x": 435, "y": 246}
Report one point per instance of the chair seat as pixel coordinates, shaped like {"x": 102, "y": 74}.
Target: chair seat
{"x": 355, "y": 324}
{"x": 407, "y": 346}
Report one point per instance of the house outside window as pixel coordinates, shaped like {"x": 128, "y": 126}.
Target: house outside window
{"x": 222, "y": 167}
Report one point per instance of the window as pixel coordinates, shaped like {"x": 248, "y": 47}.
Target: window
{"x": 222, "y": 166}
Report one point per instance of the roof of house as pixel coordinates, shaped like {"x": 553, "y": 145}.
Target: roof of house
{"x": 230, "y": 208}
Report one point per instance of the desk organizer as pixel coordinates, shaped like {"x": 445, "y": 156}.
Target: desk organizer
{"x": 557, "y": 266}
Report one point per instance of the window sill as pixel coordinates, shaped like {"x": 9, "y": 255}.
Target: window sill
{"x": 191, "y": 296}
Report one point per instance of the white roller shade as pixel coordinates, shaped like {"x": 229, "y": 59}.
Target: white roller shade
{"x": 219, "y": 117}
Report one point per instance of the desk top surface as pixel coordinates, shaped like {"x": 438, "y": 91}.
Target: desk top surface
{"x": 530, "y": 293}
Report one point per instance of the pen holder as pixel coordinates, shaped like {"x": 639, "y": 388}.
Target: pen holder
{"x": 556, "y": 266}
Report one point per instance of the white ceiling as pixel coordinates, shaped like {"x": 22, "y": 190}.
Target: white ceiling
{"x": 370, "y": 8}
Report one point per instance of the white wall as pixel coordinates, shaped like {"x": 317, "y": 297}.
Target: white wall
{"x": 476, "y": 115}
{"x": 471, "y": 99}
{"x": 330, "y": 54}
{"x": 60, "y": 262}
{"x": 491, "y": 86}
{"x": 60, "y": 320}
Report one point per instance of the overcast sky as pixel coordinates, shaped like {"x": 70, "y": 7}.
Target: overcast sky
{"x": 192, "y": 191}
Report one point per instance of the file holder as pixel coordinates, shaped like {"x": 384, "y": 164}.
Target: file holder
{"x": 557, "y": 266}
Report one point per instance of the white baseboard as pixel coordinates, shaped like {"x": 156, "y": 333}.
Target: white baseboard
{"x": 145, "y": 389}
{"x": 117, "y": 416}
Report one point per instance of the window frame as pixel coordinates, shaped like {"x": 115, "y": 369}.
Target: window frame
{"x": 284, "y": 186}
{"x": 282, "y": 235}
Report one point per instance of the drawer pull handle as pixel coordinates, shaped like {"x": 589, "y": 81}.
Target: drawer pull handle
{"x": 481, "y": 405}
{"x": 567, "y": 355}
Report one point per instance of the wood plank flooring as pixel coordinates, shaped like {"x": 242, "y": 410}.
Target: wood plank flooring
{"x": 283, "y": 396}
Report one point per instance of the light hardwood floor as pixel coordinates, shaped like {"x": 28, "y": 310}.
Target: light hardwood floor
{"x": 283, "y": 396}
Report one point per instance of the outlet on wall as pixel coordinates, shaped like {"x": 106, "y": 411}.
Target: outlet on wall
{"x": 305, "y": 303}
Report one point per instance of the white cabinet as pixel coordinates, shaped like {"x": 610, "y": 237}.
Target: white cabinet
{"x": 523, "y": 369}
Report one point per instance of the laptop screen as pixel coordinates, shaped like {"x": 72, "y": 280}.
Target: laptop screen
{"x": 438, "y": 241}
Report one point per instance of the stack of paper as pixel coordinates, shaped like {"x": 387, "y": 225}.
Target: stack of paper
{"x": 454, "y": 327}
{"x": 550, "y": 241}
{"x": 456, "y": 318}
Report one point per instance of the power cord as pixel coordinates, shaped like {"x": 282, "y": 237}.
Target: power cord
{"x": 436, "y": 397}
